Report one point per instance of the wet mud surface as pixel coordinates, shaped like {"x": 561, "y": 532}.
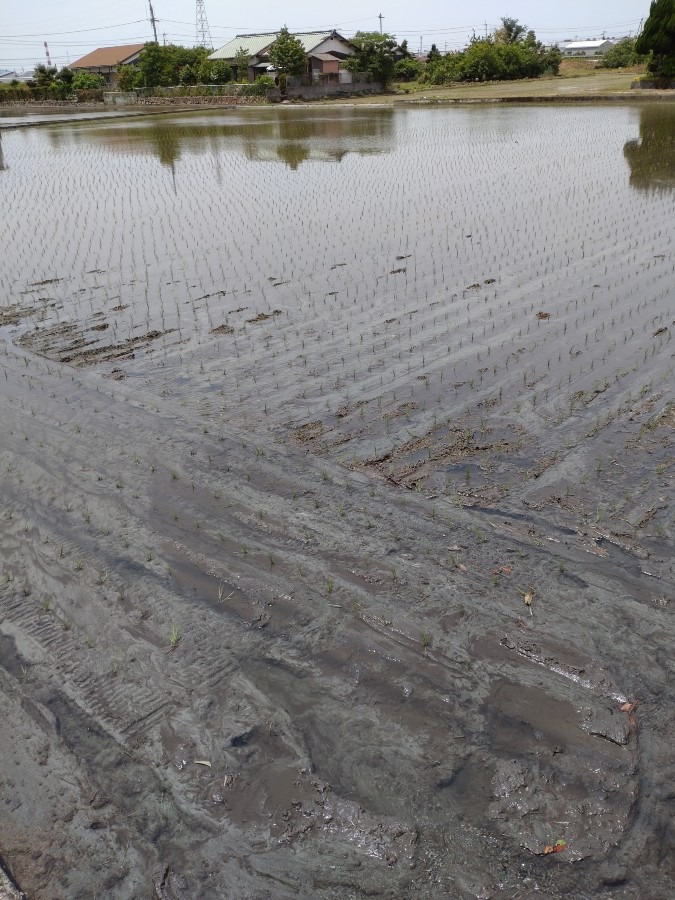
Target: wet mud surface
{"x": 340, "y": 571}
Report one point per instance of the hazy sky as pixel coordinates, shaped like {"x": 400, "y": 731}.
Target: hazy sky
{"x": 74, "y": 27}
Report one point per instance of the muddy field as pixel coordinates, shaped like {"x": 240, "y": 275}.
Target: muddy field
{"x": 336, "y": 531}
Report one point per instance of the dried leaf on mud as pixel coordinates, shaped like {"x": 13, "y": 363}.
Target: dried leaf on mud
{"x": 558, "y": 847}
{"x": 202, "y": 762}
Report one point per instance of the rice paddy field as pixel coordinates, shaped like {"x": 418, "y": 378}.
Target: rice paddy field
{"x": 336, "y": 512}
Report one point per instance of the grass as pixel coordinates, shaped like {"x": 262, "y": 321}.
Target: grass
{"x": 174, "y": 637}
{"x": 576, "y": 77}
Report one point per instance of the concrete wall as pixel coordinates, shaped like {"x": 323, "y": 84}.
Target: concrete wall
{"x": 120, "y": 98}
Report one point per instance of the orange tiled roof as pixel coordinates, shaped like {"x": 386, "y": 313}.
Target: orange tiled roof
{"x": 107, "y": 56}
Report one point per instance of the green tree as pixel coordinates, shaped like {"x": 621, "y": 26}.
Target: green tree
{"x": 621, "y": 55}
{"x": 287, "y": 54}
{"x": 374, "y": 55}
{"x": 44, "y": 76}
{"x": 511, "y": 32}
{"x": 221, "y": 72}
{"x": 241, "y": 59}
{"x": 162, "y": 66}
{"x": 187, "y": 75}
{"x": 434, "y": 54}
{"x": 126, "y": 77}
{"x": 66, "y": 76}
{"x": 87, "y": 81}
{"x": 658, "y": 37}
{"x": 408, "y": 69}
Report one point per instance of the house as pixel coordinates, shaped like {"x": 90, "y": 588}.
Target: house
{"x": 324, "y": 49}
{"x": 104, "y": 61}
{"x": 586, "y": 49}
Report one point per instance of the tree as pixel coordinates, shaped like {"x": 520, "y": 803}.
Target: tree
{"x": 44, "y": 76}
{"x": 658, "y": 37}
{"x": 374, "y": 55}
{"x": 621, "y": 55}
{"x": 241, "y": 58}
{"x": 287, "y": 54}
{"x": 187, "y": 75}
{"x": 87, "y": 81}
{"x": 511, "y": 32}
{"x": 221, "y": 72}
{"x": 126, "y": 77}
{"x": 162, "y": 66}
{"x": 408, "y": 69}
{"x": 434, "y": 54}
{"x": 66, "y": 75}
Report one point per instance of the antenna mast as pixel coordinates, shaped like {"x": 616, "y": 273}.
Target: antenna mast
{"x": 153, "y": 21}
{"x": 203, "y": 34}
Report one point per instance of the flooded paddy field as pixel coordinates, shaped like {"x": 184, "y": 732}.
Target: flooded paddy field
{"x": 336, "y": 519}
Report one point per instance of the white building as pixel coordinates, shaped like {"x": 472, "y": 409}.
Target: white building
{"x": 586, "y": 49}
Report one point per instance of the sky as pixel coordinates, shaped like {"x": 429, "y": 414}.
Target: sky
{"x": 73, "y": 28}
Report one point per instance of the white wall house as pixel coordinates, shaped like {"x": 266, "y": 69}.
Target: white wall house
{"x": 587, "y": 49}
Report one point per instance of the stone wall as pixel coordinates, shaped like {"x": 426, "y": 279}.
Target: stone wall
{"x": 319, "y": 91}
{"x": 220, "y": 100}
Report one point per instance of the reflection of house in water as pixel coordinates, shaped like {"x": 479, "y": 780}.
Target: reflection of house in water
{"x": 330, "y": 137}
{"x": 652, "y": 157}
{"x": 288, "y": 136}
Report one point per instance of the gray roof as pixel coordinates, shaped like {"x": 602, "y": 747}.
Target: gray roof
{"x": 254, "y": 44}
{"x": 585, "y": 45}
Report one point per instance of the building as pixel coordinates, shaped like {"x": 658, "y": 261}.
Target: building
{"x": 104, "y": 61}
{"x": 324, "y": 49}
{"x": 586, "y": 49}
{"x": 7, "y": 76}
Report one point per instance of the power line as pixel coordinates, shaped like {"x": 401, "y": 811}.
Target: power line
{"x": 43, "y": 34}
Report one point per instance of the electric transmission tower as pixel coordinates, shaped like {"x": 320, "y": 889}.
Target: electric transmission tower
{"x": 203, "y": 34}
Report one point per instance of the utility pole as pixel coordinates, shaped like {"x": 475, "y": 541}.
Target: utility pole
{"x": 203, "y": 33}
{"x": 380, "y": 17}
{"x": 153, "y": 21}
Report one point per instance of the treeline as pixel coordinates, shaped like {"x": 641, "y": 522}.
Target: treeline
{"x": 170, "y": 65}
{"x": 512, "y": 52}
{"x": 50, "y": 83}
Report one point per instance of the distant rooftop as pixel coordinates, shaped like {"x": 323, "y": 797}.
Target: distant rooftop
{"x": 107, "y": 56}
{"x": 254, "y": 44}
{"x": 586, "y": 45}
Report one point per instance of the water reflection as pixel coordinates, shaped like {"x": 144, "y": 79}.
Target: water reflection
{"x": 652, "y": 157}
{"x": 292, "y": 137}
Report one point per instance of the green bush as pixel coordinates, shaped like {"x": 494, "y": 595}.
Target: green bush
{"x": 14, "y": 92}
{"x": 512, "y": 52}
{"x": 408, "y": 69}
{"x": 259, "y": 88}
{"x": 621, "y": 55}
{"x": 87, "y": 81}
